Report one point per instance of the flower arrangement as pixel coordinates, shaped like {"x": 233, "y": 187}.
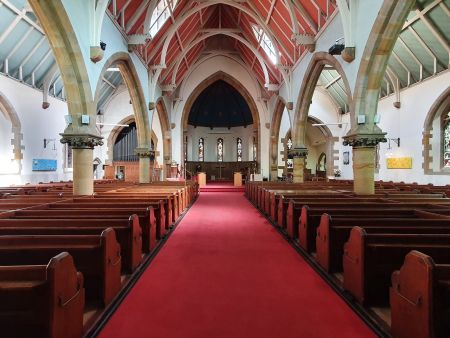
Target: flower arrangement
{"x": 337, "y": 173}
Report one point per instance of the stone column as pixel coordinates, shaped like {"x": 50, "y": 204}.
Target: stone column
{"x": 83, "y": 170}
{"x": 144, "y": 164}
{"x": 364, "y": 150}
{"x": 274, "y": 173}
{"x": 364, "y": 170}
{"x": 299, "y": 157}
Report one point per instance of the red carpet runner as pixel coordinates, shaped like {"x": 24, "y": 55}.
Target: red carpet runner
{"x": 225, "y": 272}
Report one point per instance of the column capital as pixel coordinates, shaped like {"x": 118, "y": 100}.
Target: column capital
{"x": 298, "y": 152}
{"x": 81, "y": 141}
{"x": 364, "y": 140}
{"x": 144, "y": 152}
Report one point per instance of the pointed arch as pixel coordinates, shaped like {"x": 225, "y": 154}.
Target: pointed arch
{"x": 438, "y": 109}
{"x": 131, "y": 79}
{"x": 380, "y": 43}
{"x": 7, "y": 109}
{"x": 220, "y": 75}
{"x": 67, "y": 52}
{"x": 166, "y": 131}
{"x": 274, "y": 136}
{"x": 316, "y": 65}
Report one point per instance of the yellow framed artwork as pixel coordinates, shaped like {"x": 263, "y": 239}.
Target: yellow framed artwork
{"x": 399, "y": 163}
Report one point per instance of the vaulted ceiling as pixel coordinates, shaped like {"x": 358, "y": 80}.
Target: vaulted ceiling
{"x": 238, "y": 28}
{"x": 199, "y": 22}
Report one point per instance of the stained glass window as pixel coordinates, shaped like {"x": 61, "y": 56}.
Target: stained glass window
{"x": 239, "y": 149}
{"x": 447, "y": 142}
{"x": 255, "y": 152}
{"x": 290, "y": 160}
{"x": 201, "y": 149}
{"x": 220, "y": 150}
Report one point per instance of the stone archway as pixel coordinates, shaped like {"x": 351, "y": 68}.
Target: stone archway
{"x": 330, "y": 152}
{"x": 432, "y": 137}
{"x": 115, "y": 133}
{"x": 365, "y": 135}
{"x": 128, "y": 72}
{"x": 274, "y": 136}
{"x": 166, "y": 131}
{"x": 10, "y": 114}
{"x": 61, "y": 36}
{"x": 316, "y": 65}
{"x": 239, "y": 87}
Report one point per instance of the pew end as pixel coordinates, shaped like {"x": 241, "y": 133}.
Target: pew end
{"x": 411, "y": 297}
{"x": 49, "y": 299}
{"x": 112, "y": 265}
{"x": 322, "y": 242}
{"x": 353, "y": 264}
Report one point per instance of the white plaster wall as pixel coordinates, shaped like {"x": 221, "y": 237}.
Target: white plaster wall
{"x": 285, "y": 126}
{"x": 156, "y": 127}
{"x": 7, "y": 163}
{"x": 229, "y": 139}
{"x": 408, "y": 124}
{"x": 202, "y": 71}
{"x": 37, "y": 124}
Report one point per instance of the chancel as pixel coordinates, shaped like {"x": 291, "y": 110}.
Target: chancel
{"x": 224, "y": 168}
{"x": 221, "y": 133}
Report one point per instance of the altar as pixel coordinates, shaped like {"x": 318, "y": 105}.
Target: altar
{"x": 221, "y": 171}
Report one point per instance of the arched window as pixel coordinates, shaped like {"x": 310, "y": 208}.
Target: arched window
{"x": 219, "y": 150}
{"x": 290, "y": 160}
{"x": 446, "y": 134}
{"x": 161, "y": 14}
{"x": 265, "y": 43}
{"x": 239, "y": 149}
{"x": 201, "y": 149}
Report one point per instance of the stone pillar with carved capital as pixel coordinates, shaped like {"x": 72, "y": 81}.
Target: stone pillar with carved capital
{"x": 364, "y": 151}
{"x": 299, "y": 157}
{"x": 83, "y": 150}
{"x": 144, "y": 155}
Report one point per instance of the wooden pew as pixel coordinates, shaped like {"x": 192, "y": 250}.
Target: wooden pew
{"x": 146, "y": 217}
{"x": 307, "y": 231}
{"x": 334, "y": 232}
{"x": 42, "y": 301}
{"x": 96, "y": 256}
{"x": 164, "y": 220}
{"x": 128, "y": 232}
{"x": 160, "y": 210}
{"x": 370, "y": 259}
{"x": 420, "y": 298}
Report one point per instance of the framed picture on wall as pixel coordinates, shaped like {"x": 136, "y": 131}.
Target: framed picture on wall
{"x": 346, "y": 158}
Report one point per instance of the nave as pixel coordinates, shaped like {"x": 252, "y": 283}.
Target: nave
{"x": 226, "y": 272}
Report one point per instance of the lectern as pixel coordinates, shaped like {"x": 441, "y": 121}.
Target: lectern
{"x": 237, "y": 179}
{"x": 201, "y": 179}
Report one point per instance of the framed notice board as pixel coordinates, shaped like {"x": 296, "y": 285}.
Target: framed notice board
{"x": 44, "y": 165}
{"x": 399, "y": 163}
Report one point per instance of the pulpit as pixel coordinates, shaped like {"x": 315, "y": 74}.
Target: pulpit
{"x": 201, "y": 179}
{"x": 237, "y": 179}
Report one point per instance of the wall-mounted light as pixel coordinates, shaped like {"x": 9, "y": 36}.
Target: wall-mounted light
{"x": 102, "y": 45}
{"x": 337, "y": 48}
{"x": 47, "y": 141}
{"x": 395, "y": 140}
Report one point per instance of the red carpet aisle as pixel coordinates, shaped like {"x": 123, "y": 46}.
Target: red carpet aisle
{"x": 225, "y": 272}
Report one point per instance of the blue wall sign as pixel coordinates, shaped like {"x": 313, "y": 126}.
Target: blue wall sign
{"x": 44, "y": 165}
